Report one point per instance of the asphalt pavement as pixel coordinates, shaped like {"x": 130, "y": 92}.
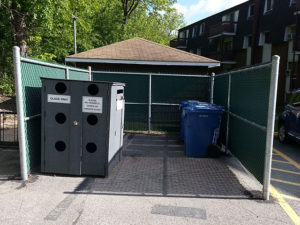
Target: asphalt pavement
{"x": 153, "y": 184}
{"x": 285, "y": 177}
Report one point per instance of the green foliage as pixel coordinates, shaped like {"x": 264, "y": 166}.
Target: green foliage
{"x": 7, "y": 85}
{"x": 49, "y": 28}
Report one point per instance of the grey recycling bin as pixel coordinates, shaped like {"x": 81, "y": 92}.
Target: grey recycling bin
{"x": 82, "y": 126}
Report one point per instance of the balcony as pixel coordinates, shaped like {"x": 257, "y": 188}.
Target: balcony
{"x": 224, "y": 28}
{"x": 180, "y": 43}
{"x": 223, "y": 57}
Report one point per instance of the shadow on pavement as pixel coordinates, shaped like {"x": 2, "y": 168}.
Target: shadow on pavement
{"x": 9, "y": 164}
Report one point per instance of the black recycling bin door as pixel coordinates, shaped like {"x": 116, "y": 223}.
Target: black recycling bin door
{"x": 62, "y": 129}
{"x": 95, "y": 124}
{"x": 82, "y": 126}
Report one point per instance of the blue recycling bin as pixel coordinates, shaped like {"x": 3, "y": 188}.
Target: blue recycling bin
{"x": 201, "y": 127}
{"x": 182, "y": 106}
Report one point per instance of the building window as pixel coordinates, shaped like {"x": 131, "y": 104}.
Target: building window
{"x": 198, "y": 51}
{"x": 264, "y": 38}
{"x": 181, "y": 34}
{"x": 201, "y": 29}
{"x": 194, "y": 31}
{"x": 268, "y": 5}
{"x": 191, "y": 51}
{"x": 247, "y": 41}
{"x": 187, "y": 33}
{"x": 267, "y": 37}
{"x": 292, "y": 2}
{"x": 251, "y": 11}
{"x": 289, "y": 33}
{"x": 228, "y": 44}
{"x": 231, "y": 17}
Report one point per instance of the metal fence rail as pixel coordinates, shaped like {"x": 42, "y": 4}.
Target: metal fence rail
{"x": 152, "y": 99}
{"x": 8, "y": 129}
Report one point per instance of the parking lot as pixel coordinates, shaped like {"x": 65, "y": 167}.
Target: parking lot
{"x": 153, "y": 184}
{"x": 285, "y": 176}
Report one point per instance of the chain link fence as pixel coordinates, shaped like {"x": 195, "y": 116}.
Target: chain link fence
{"x": 250, "y": 97}
{"x": 152, "y": 100}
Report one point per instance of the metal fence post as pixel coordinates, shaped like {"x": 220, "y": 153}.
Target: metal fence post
{"x": 212, "y": 85}
{"x": 149, "y": 103}
{"x": 270, "y": 126}
{"x": 67, "y": 74}
{"x": 228, "y": 110}
{"x": 90, "y": 73}
{"x": 20, "y": 110}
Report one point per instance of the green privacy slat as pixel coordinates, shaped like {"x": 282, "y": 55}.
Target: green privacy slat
{"x": 75, "y": 75}
{"x": 136, "y": 117}
{"x": 165, "y": 118}
{"x": 165, "y": 89}
{"x": 249, "y": 99}
{"x": 31, "y": 84}
{"x": 250, "y": 94}
{"x": 168, "y": 89}
{"x": 136, "y": 89}
{"x": 221, "y": 90}
{"x": 33, "y": 143}
{"x": 248, "y": 144}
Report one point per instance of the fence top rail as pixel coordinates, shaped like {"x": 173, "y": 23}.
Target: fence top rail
{"x": 244, "y": 69}
{"x": 154, "y": 74}
{"x": 23, "y": 59}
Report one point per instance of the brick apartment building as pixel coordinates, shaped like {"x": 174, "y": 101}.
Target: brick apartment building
{"x": 247, "y": 34}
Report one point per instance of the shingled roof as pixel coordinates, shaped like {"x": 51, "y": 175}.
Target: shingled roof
{"x": 141, "y": 51}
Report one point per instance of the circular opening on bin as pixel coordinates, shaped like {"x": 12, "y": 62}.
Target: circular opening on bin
{"x": 91, "y": 147}
{"x": 60, "y": 88}
{"x": 60, "y": 146}
{"x": 92, "y": 119}
{"x": 60, "y": 118}
{"x": 93, "y": 89}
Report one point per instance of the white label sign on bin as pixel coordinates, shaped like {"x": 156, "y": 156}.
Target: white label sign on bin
{"x": 63, "y": 99}
{"x": 92, "y": 104}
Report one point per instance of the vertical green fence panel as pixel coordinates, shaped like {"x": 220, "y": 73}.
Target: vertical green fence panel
{"x": 167, "y": 89}
{"x": 249, "y": 99}
{"x": 174, "y": 89}
{"x": 136, "y": 118}
{"x": 31, "y": 87}
{"x": 221, "y": 90}
{"x": 31, "y": 83}
{"x": 165, "y": 118}
{"x": 250, "y": 94}
{"x": 75, "y": 75}
{"x": 248, "y": 144}
{"x": 136, "y": 89}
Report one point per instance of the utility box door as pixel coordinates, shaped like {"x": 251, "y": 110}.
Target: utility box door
{"x": 62, "y": 129}
{"x": 95, "y": 109}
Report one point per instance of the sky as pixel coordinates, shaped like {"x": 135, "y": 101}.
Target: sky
{"x": 194, "y": 10}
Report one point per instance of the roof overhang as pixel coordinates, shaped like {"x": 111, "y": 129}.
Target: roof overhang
{"x": 141, "y": 62}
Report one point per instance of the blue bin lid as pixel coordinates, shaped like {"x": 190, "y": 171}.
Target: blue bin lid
{"x": 205, "y": 108}
{"x": 184, "y": 104}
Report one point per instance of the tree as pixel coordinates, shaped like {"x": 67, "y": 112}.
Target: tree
{"x": 44, "y": 29}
